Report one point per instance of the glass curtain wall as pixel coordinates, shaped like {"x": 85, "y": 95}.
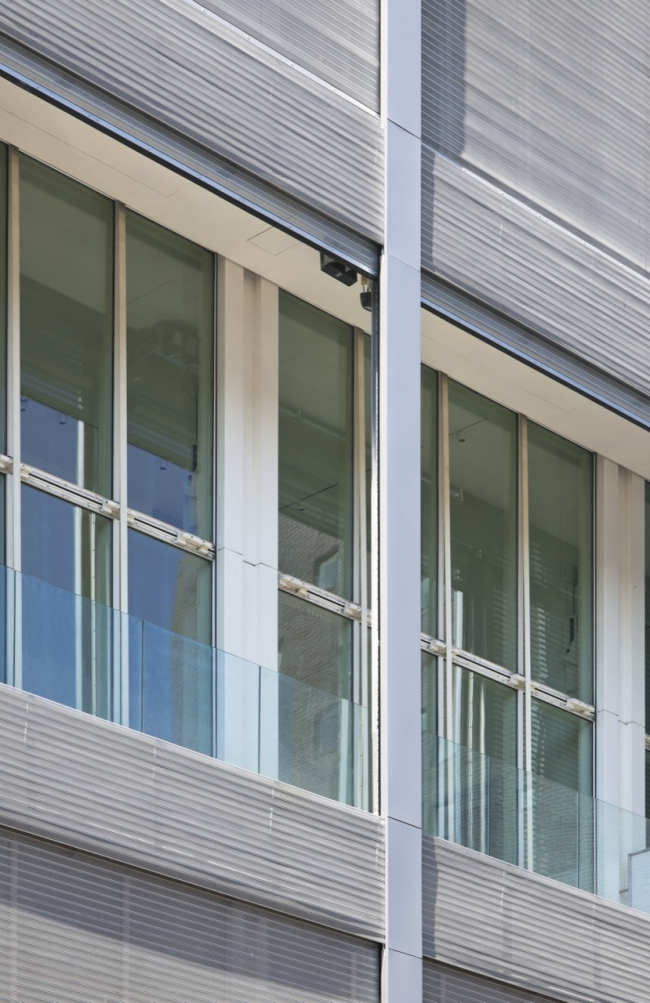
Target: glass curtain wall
{"x": 324, "y": 468}
{"x": 105, "y": 391}
{"x": 647, "y": 648}
{"x": 510, "y": 646}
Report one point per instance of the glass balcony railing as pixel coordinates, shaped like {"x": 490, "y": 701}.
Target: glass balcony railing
{"x": 527, "y": 820}
{"x": 95, "y": 659}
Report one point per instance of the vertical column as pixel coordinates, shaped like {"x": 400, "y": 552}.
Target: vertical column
{"x": 620, "y": 670}
{"x": 247, "y": 491}
{"x": 398, "y": 400}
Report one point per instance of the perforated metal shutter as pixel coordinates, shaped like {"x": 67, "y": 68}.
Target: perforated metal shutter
{"x": 174, "y": 79}
{"x": 504, "y": 923}
{"x": 77, "y": 929}
{"x": 537, "y": 168}
{"x": 338, "y": 41}
{"x": 448, "y": 985}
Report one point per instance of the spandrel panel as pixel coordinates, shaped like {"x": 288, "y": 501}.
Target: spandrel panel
{"x": 315, "y": 646}
{"x": 429, "y": 503}
{"x": 170, "y": 337}
{"x": 66, "y": 327}
{"x": 65, "y": 591}
{"x": 315, "y": 446}
{"x": 560, "y": 502}
{"x": 483, "y": 515}
{"x": 170, "y": 588}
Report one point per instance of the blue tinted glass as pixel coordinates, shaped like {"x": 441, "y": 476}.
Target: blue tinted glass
{"x": 169, "y": 587}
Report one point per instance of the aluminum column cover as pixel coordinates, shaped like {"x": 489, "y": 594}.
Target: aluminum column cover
{"x": 128, "y": 797}
{"x": 190, "y": 71}
{"x": 337, "y": 41}
{"x": 77, "y": 929}
{"x": 505, "y": 923}
{"x": 481, "y": 240}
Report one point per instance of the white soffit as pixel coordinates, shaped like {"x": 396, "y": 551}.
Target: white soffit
{"x": 69, "y": 145}
{"x": 490, "y": 371}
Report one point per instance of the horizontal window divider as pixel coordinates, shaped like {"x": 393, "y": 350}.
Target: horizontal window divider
{"x": 483, "y": 667}
{"x": 170, "y": 534}
{"x": 432, "y": 645}
{"x": 571, "y": 704}
{"x": 6, "y": 464}
{"x": 73, "y": 493}
{"x": 320, "y": 597}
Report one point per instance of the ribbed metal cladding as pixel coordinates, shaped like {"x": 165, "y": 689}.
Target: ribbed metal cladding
{"x": 527, "y": 931}
{"x": 551, "y": 100}
{"x": 192, "y": 72}
{"x": 447, "y": 985}
{"x": 338, "y": 41}
{"x": 481, "y": 240}
{"x": 78, "y": 929}
{"x": 99, "y": 787}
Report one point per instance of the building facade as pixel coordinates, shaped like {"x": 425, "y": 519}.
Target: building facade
{"x": 324, "y": 466}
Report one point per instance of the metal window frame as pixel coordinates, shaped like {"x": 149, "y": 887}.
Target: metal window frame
{"x": 115, "y": 508}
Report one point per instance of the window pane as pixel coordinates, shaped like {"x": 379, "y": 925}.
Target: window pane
{"x": 647, "y": 609}
{"x": 485, "y": 715}
{"x": 66, "y": 321}
{"x": 170, "y": 376}
{"x": 429, "y": 510}
{"x": 3, "y": 297}
{"x": 169, "y": 587}
{"x": 316, "y": 446}
{"x": 315, "y": 646}
{"x": 560, "y": 502}
{"x": 563, "y": 808}
{"x": 65, "y": 589}
{"x": 483, "y": 512}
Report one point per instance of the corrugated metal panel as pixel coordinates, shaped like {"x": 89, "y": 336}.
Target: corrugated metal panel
{"x": 508, "y": 924}
{"x": 338, "y": 41}
{"x": 482, "y": 241}
{"x": 197, "y": 76}
{"x": 446, "y": 985}
{"x": 78, "y": 929}
{"x": 99, "y": 787}
{"x": 551, "y": 100}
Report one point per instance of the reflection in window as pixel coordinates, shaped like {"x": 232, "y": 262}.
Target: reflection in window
{"x": 66, "y": 290}
{"x": 170, "y": 376}
{"x": 315, "y": 646}
{"x": 560, "y": 502}
{"x": 315, "y": 446}
{"x": 483, "y": 514}
{"x": 429, "y": 502}
{"x": 66, "y": 590}
{"x": 169, "y": 587}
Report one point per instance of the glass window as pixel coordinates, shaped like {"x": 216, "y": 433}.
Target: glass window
{"x": 485, "y": 715}
{"x": 562, "y": 747}
{"x": 315, "y": 646}
{"x": 647, "y": 609}
{"x": 429, "y": 502}
{"x": 483, "y": 514}
{"x": 560, "y": 503}
{"x": 66, "y": 590}
{"x": 3, "y": 297}
{"x": 66, "y": 323}
{"x": 170, "y": 367}
{"x": 315, "y": 446}
{"x": 169, "y": 587}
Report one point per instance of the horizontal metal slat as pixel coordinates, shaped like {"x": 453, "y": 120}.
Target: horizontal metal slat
{"x": 97, "y": 786}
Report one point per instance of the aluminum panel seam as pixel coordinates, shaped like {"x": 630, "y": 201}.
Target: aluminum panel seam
{"x": 74, "y": 927}
{"x": 587, "y": 305}
{"x": 135, "y": 127}
{"x": 125, "y": 796}
{"x": 338, "y": 42}
{"x": 490, "y": 918}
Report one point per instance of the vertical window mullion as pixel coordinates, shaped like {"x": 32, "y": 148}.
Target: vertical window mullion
{"x": 13, "y": 500}
{"x": 445, "y": 611}
{"x": 120, "y": 536}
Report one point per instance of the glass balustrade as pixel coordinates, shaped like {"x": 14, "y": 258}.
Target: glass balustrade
{"x": 80, "y": 653}
{"x": 523, "y": 818}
